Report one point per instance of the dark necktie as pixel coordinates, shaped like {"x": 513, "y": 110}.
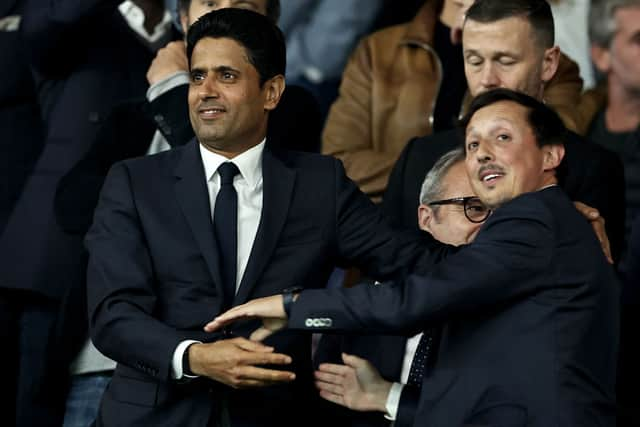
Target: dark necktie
{"x": 225, "y": 224}
{"x": 424, "y": 353}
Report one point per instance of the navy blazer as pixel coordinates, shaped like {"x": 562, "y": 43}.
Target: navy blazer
{"x": 154, "y": 280}
{"x": 531, "y": 310}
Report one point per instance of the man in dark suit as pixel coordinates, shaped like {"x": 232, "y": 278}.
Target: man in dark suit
{"x": 530, "y": 307}
{"x": 513, "y": 47}
{"x": 159, "y": 266}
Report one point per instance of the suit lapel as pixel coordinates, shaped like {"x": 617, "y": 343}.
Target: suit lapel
{"x": 278, "y": 181}
{"x": 193, "y": 197}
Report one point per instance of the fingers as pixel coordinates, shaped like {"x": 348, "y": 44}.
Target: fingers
{"x": 326, "y": 387}
{"x": 260, "y": 334}
{"x": 332, "y": 397}
{"x": 353, "y": 361}
{"x": 587, "y": 211}
{"x": 225, "y": 318}
{"x": 248, "y": 345}
{"x": 252, "y": 376}
{"x": 329, "y": 378}
{"x": 332, "y": 368}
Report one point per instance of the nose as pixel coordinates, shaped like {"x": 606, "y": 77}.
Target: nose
{"x": 484, "y": 153}
{"x": 489, "y": 79}
{"x": 208, "y": 89}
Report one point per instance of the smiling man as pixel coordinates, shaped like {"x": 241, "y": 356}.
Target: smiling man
{"x": 530, "y": 306}
{"x": 187, "y": 233}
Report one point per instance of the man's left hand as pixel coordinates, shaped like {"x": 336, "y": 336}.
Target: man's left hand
{"x": 597, "y": 222}
{"x": 269, "y": 309}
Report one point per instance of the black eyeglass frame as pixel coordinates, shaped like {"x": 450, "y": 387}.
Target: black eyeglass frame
{"x": 464, "y": 201}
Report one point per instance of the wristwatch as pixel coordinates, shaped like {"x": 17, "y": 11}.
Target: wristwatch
{"x": 186, "y": 368}
{"x": 287, "y": 298}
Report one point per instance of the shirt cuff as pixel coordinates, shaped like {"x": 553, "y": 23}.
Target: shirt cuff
{"x": 163, "y": 86}
{"x": 393, "y": 401}
{"x": 176, "y": 361}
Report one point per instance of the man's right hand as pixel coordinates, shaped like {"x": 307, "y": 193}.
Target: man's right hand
{"x": 233, "y": 362}
{"x": 169, "y": 60}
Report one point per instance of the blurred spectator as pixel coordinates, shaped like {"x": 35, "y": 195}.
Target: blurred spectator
{"x": 86, "y": 57}
{"x": 400, "y": 83}
{"x": 572, "y": 35}
{"x": 612, "y": 118}
{"x": 611, "y": 111}
{"x": 20, "y": 144}
{"x": 320, "y": 36}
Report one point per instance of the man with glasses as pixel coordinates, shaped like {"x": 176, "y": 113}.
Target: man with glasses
{"x": 451, "y": 212}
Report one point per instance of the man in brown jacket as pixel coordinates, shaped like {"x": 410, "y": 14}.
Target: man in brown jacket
{"x": 396, "y": 82}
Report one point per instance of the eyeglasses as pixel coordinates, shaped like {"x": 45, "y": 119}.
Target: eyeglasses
{"x": 474, "y": 209}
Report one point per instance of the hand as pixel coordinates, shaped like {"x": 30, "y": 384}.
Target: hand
{"x": 232, "y": 361}
{"x": 356, "y": 385}
{"x": 169, "y": 60}
{"x": 270, "y": 309}
{"x": 597, "y": 222}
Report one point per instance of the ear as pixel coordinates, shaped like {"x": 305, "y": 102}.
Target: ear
{"x": 273, "y": 89}
{"x": 601, "y": 58}
{"x": 425, "y": 217}
{"x": 550, "y": 62}
{"x": 553, "y": 155}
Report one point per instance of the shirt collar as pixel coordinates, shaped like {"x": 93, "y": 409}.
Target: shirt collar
{"x": 249, "y": 163}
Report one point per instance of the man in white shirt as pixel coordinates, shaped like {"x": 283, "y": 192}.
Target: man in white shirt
{"x": 187, "y": 233}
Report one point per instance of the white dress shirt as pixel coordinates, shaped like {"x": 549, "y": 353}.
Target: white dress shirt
{"x": 248, "y": 185}
{"x": 393, "y": 399}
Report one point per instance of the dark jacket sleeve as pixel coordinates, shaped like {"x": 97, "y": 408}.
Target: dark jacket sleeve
{"x": 505, "y": 269}
{"x": 121, "y": 290}
{"x": 55, "y": 31}
{"x": 171, "y": 114}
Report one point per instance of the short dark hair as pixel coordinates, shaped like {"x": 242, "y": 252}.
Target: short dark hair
{"x": 545, "y": 123}
{"x": 262, "y": 40}
{"x": 273, "y": 9}
{"x": 536, "y": 12}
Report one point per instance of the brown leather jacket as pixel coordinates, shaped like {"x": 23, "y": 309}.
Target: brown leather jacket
{"x": 387, "y": 97}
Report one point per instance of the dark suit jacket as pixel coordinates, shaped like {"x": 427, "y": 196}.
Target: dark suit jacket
{"x": 591, "y": 174}
{"x": 154, "y": 280}
{"x": 20, "y": 123}
{"x": 86, "y": 59}
{"x": 531, "y": 310}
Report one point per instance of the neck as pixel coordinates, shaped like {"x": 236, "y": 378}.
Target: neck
{"x": 232, "y": 150}
{"x": 623, "y": 108}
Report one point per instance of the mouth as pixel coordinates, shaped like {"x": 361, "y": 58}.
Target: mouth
{"x": 489, "y": 176}
{"x": 210, "y": 112}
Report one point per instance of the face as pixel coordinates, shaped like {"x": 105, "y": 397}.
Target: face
{"x": 504, "y": 54}
{"x": 622, "y": 60}
{"x": 448, "y": 223}
{"x": 227, "y": 106}
{"x": 503, "y": 159}
{"x": 197, "y": 8}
